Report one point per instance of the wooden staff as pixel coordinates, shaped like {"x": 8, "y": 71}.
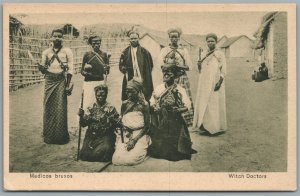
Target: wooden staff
{"x": 79, "y": 134}
{"x": 104, "y": 167}
{"x": 106, "y": 73}
{"x": 199, "y": 60}
{"x": 122, "y": 134}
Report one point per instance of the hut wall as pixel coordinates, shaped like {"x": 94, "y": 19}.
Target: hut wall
{"x": 241, "y": 48}
{"x": 280, "y": 45}
{"x": 227, "y": 52}
{"x": 269, "y": 51}
{"x": 221, "y": 42}
{"x": 152, "y": 46}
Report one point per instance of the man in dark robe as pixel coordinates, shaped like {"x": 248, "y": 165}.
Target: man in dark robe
{"x": 136, "y": 61}
{"x": 169, "y": 133}
{"x": 102, "y": 120}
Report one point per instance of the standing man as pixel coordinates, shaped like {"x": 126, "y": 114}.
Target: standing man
{"x": 210, "y": 108}
{"x": 137, "y": 62}
{"x": 57, "y": 65}
{"x": 95, "y": 68}
{"x": 177, "y": 52}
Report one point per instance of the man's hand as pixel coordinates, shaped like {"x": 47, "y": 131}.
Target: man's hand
{"x": 130, "y": 144}
{"x": 69, "y": 89}
{"x": 84, "y": 73}
{"x": 41, "y": 68}
{"x": 106, "y": 69}
{"x": 80, "y": 112}
{"x": 155, "y": 107}
{"x": 123, "y": 70}
{"x": 218, "y": 85}
{"x": 199, "y": 64}
{"x": 180, "y": 110}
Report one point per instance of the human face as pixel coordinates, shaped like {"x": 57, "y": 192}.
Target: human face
{"x": 134, "y": 39}
{"x": 211, "y": 43}
{"x": 168, "y": 75}
{"x": 96, "y": 43}
{"x": 57, "y": 39}
{"x": 101, "y": 96}
{"x": 174, "y": 38}
{"x": 132, "y": 94}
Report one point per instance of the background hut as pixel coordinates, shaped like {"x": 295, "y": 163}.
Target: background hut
{"x": 16, "y": 27}
{"x": 221, "y": 41}
{"x": 271, "y": 43}
{"x": 153, "y": 43}
{"x": 238, "y": 47}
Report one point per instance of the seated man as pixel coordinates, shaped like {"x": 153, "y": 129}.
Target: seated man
{"x": 264, "y": 71}
{"x": 102, "y": 120}
{"x": 170, "y": 137}
{"x": 261, "y": 73}
{"x": 133, "y": 142}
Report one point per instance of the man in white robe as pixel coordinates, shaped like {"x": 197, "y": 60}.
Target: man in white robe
{"x": 210, "y": 108}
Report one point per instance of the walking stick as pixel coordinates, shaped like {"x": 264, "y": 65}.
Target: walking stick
{"x": 79, "y": 134}
{"x": 104, "y": 167}
{"x": 199, "y": 60}
{"x": 122, "y": 134}
{"x": 106, "y": 72}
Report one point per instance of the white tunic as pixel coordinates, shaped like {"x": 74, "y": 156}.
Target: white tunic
{"x": 136, "y": 69}
{"x": 210, "y": 108}
{"x": 65, "y": 55}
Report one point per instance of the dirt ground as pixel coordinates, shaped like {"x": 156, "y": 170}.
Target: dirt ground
{"x": 256, "y": 139}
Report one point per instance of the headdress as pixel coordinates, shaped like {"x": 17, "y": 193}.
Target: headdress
{"x": 57, "y": 30}
{"x": 177, "y": 30}
{"x": 93, "y": 37}
{"x": 133, "y": 31}
{"x": 136, "y": 84}
{"x": 101, "y": 87}
{"x": 212, "y": 35}
{"x": 171, "y": 65}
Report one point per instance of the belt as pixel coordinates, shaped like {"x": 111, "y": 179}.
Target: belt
{"x": 54, "y": 75}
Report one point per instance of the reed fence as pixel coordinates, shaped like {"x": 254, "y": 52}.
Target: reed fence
{"x": 23, "y": 71}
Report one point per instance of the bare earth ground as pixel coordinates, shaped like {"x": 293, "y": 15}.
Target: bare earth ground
{"x": 256, "y": 139}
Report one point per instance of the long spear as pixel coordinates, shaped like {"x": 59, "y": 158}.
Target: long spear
{"x": 79, "y": 134}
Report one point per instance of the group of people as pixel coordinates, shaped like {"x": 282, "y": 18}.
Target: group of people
{"x": 152, "y": 121}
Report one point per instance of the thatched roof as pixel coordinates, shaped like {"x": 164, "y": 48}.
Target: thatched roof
{"x": 262, "y": 33}
{"x": 14, "y": 21}
{"x": 16, "y": 27}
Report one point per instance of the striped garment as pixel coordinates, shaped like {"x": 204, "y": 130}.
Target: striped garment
{"x": 55, "y": 129}
{"x": 184, "y": 82}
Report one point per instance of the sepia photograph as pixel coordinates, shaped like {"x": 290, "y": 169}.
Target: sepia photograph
{"x": 162, "y": 96}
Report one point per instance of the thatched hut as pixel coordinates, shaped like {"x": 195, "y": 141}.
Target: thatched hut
{"x": 16, "y": 27}
{"x": 271, "y": 43}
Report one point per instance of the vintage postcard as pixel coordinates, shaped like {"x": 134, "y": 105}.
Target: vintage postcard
{"x": 149, "y": 97}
